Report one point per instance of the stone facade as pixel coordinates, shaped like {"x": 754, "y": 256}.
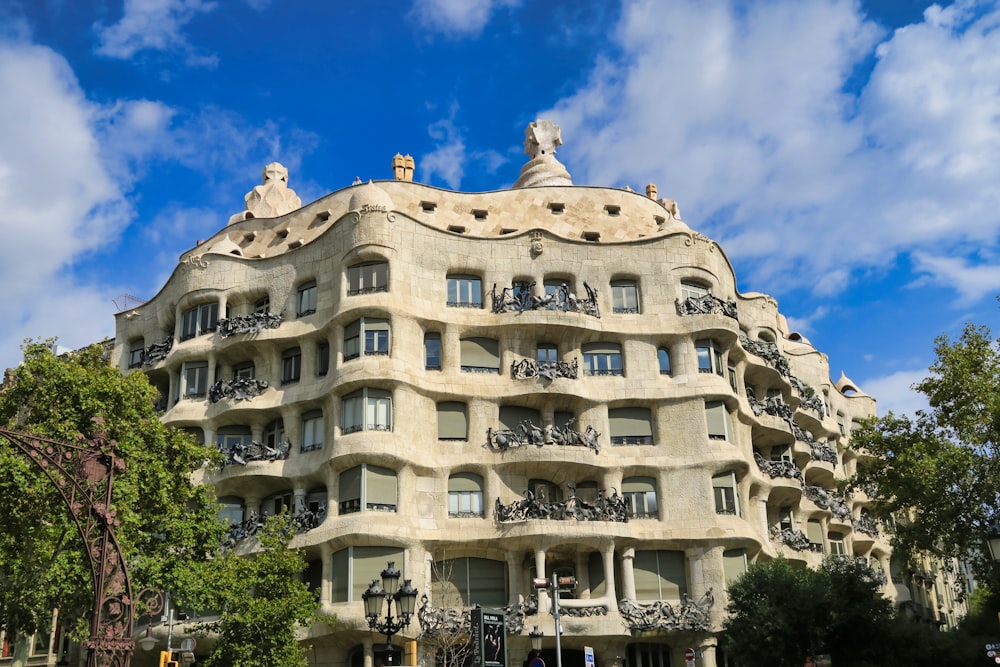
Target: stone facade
{"x": 505, "y": 384}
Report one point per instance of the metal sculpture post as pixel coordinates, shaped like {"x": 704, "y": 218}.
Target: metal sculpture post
{"x": 83, "y": 474}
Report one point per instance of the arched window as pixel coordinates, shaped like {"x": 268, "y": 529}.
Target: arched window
{"x": 663, "y": 358}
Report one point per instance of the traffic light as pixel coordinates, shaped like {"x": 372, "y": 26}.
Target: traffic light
{"x": 166, "y": 659}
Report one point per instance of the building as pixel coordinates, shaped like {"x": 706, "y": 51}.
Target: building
{"x": 486, "y": 388}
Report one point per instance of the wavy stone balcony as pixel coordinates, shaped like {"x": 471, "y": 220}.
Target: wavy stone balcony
{"x": 776, "y": 407}
{"x": 253, "y": 323}
{"x": 603, "y": 508}
{"x": 519, "y": 299}
{"x": 528, "y": 369}
{"x": 825, "y": 500}
{"x": 708, "y": 304}
{"x": 690, "y": 615}
{"x": 772, "y": 356}
{"x": 301, "y": 521}
{"x": 779, "y": 469}
{"x": 529, "y": 434}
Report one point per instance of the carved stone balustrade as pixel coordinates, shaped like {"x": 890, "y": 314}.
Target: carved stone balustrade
{"x": 157, "y": 351}
{"x": 529, "y": 434}
{"x": 692, "y": 616}
{"x": 826, "y": 500}
{"x": 248, "y": 324}
{"x": 238, "y": 389}
{"x": 603, "y": 508}
{"x": 783, "y": 468}
{"x": 708, "y": 304}
{"x": 519, "y": 298}
{"x": 241, "y": 454}
{"x": 527, "y": 369}
{"x": 794, "y": 539}
{"x": 822, "y": 451}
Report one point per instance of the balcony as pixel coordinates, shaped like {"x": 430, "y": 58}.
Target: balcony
{"x": 301, "y": 521}
{"x": 527, "y": 369}
{"x": 781, "y": 468}
{"x": 253, "y": 323}
{"x": 602, "y": 508}
{"x": 519, "y": 299}
{"x": 794, "y": 539}
{"x": 709, "y": 304}
{"x": 822, "y": 451}
{"x": 242, "y": 453}
{"x": 529, "y": 434}
{"x": 825, "y": 500}
{"x": 689, "y": 616}
{"x": 237, "y": 389}
{"x": 157, "y": 351}
{"x": 447, "y": 622}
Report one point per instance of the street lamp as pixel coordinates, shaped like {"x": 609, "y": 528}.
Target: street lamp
{"x": 536, "y": 639}
{"x": 389, "y": 591}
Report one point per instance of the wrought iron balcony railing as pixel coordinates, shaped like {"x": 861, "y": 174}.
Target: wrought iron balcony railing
{"x": 253, "y": 323}
{"x": 794, "y": 539}
{"x": 454, "y": 622}
{"x": 689, "y": 616}
{"x": 238, "y": 389}
{"x": 529, "y": 434}
{"x": 157, "y": 351}
{"x": 603, "y": 508}
{"x": 781, "y": 468}
{"x": 826, "y": 500}
{"x": 519, "y": 299}
{"x": 822, "y": 451}
{"x": 526, "y": 369}
{"x": 709, "y": 304}
{"x": 242, "y": 453}
{"x": 301, "y": 521}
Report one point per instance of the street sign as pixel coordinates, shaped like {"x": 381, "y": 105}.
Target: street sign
{"x": 689, "y": 654}
{"x": 588, "y": 656}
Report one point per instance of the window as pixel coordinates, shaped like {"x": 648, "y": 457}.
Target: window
{"x": 230, "y": 437}
{"x": 291, "y": 365}
{"x": 732, "y": 378}
{"x": 274, "y": 433}
{"x": 663, "y": 358}
{"x": 354, "y": 568}
{"x": 244, "y": 371}
{"x": 734, "y": 564}
{"x": 369, "y": 336}
{"x": 602, "y": 359}
{"x": 306, "y": 303}
{"x": 718, "y": 420}
{"x": 135, "y": 353}
{"x": 279, "y": 503}
{"x": 546, "y": 354}
{"x": 553, "y": 289}
{"x": 709, "y": 357}
{"x": 465, "y": 495}
{"x": 231, "y": 510}
{"x": 368, "y": 278}
{"x": 814, "y": 531}
{"x": 367, "y": 487}
{"x": 262, "y": 305}
{"x": 432, "y": 351}
{"x": 199, "y": 320}
{"x": 785, "y": 521}
{"x": 468, "y": 582}
{"x": 465, "y": 292}
{"x": 545, "y": 491}
{"x": 586, "y": 491}
{"x": 837, "y": 545}
{"x": 480, "y": 355}
{"x": 512, "y": 416}
{"x": 452, "y": 420}
{"x": 195, "y": 379}
{"x": 724, "y": 490}
{"x": 693, "y": 290}
{"x": 630, "y": 426}
{"x": 312, "y": 430}
{"x": 781, "y": 453}
{"x": 640, "y": 496}
{"x": 322, "y": 358}
{"x": 840, "y": 424}
{"x": 659, "y": 575}
{"x": 367, "y": 410}
{"x": 624, "y": 296}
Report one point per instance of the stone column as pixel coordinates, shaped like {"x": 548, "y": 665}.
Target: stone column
{"x": 298, "y": 498}
{"x": 326, "y": 585}
{"x": 514, "y": 576}
{"x": 762, "y": 508}
{"x": 628, "y": 573}
{"x": 707, "y": 652}
{"x": 608, "y": 560}
{"x": 580, "y": 566}
{"x": 544, "y": 600}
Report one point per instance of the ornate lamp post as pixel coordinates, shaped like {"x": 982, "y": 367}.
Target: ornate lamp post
{"x": 389, "y": 591}
{"x": 536, "y": 639}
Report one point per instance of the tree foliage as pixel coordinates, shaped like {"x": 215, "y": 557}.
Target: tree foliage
{"x": 937, "y": 476}
{"x": 261, "y": 603}
{"x": 166, "y": 521}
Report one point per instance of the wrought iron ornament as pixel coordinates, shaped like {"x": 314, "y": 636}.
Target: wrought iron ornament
{"x": 603, "y": 508}
{"x": 692, "y": 615}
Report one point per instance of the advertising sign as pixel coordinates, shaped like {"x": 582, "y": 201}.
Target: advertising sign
{"x": 489, "y": 638}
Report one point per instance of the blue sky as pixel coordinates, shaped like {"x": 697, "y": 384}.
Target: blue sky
{"x": 845, "y": 154}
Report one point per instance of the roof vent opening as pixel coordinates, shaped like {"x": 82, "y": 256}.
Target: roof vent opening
{"x": 428, "y": 206}
{"x": 593, "y": 237}
{"x": 479, "y": 214}
{"x": 507, "y": 231}
{"x": 613, "y": 209}
{"x": 458, "y": 229}
{"x": 557, "y": 207}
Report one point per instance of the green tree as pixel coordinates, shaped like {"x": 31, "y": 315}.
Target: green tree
{"x": 167, "y": 522}
{"x": 261, "y": 603}
{"x": 780, "y": 614}
{"x": 936, "y": 477}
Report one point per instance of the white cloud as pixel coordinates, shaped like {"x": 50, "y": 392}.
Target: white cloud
{"x": 447, "y": 160}
{"x": 972, "y": 282}
{"x": 805, "y": 325}
{"x": 457, "y": 18}
{"x": 58, "y": 202}
{"x": 894, "y": 393}
{"x": 154, "y": 25}
{"x": 741, "y": 113}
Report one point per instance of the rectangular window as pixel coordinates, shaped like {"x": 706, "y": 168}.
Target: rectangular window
{"x": 465, "y": 292}
{"x": 718, "y": 420}
{"x": 369, "y": 336}
{"x": 368, "y": 278}
{"x": 814, "y": 531}
{"x": 135, "y": 353}
{"x": 312, "y": 430}
{"x": 322, "y": 359}
{"x": 480, "y": 355}
{"x": 199, "y": 320}
{"x": 659, "y": 575}
{"x": 452, "y": 420}
{"x": 262, "y": 305}
{"x": 546, "y": 354}
{"x": 291, "y": 365}
{"x": 630, "y": 426}
{"x": 244, "y": 371}
{"x": 732, "y": 378}
{"x": 306, "y": 303}
{"x": 432, "y": 351}
{"x": 663, "y": 360}
{"x": 367, "y": 410}
{"x": 837, "y": 545}
{"x": 195, "y": 379}
{"x": 640, "y": 496}
{"x": 355, "y": 567}
{"x": 692, "y": 290}
{"x": 464, "y": 582}
{"x": 709, "y": 357}
{"x": 734, "y": 564}
{"x": 465, "y": 495}
{"x": 624, "y": 296}
{"x": 602, "y": 359}
{"x": 724, "y": 490}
